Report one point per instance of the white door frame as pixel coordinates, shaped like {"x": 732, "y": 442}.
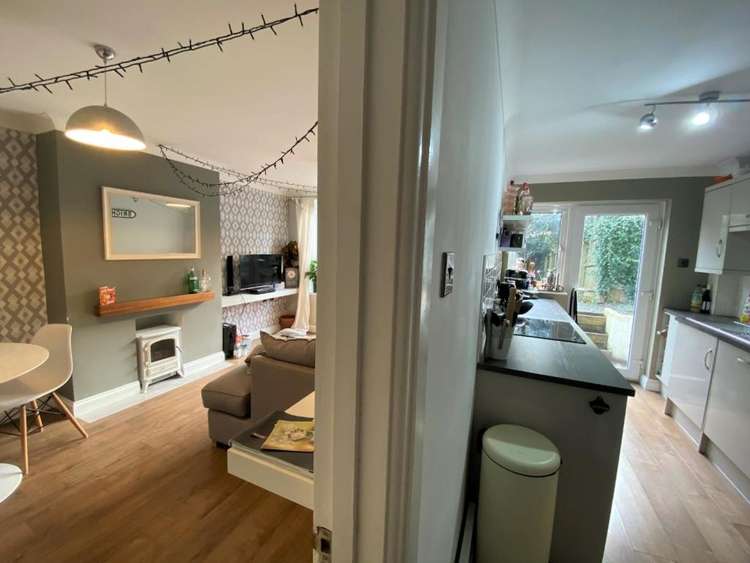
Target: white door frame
{"x": 375, "y": 87}
{"x": 646, "y": 295}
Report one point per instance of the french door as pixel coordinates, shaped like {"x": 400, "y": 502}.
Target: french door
{"x": 612, "y": 251}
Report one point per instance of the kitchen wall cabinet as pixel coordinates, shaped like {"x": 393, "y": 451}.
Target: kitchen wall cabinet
{"x": 714, "y": 231}
{"x": 739, "y": 215}
{"x": 728, "y": 411}
{"x": 686, "y": 371}
{"x": 724, "y": 245}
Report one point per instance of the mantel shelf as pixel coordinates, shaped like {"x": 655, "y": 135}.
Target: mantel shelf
{"x": 153, "y": 304}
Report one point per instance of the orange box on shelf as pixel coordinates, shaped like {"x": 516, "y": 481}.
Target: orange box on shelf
{"x": 107, "y": 295}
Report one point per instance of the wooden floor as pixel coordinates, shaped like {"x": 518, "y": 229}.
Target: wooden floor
{"x": 147, "y": 485}
{"x": 671, "y": 504}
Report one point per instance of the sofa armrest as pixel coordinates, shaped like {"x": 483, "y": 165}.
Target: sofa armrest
{"x": 278, "y": 385}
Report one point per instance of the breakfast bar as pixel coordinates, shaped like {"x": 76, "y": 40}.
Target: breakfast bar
{"x": 557, "y": 382}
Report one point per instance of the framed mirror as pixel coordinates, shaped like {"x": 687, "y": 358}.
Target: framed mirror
{"x": 143, "y": 226}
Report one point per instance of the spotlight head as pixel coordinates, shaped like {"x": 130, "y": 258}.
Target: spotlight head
{"x": 701, "y": 118}
{"x": 648, "y": 121}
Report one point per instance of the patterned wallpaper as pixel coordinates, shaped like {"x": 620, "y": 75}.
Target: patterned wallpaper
{"x": 23, "y": 306}
{"x": 255, "y": 221}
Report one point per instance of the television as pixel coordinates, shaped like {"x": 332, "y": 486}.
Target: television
{"x": 260, "y": 270}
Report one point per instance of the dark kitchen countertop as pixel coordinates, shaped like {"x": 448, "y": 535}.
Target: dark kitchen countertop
{"x": 564, "y": 363}
{"x": 724, "y": 328}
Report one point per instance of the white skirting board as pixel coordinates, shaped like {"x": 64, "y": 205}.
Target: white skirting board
{"x": 109, "y": 402}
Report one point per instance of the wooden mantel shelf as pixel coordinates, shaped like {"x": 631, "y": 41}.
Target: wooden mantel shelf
{"x": 153, "y": 304}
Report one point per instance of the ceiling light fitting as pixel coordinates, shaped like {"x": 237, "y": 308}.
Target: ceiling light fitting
{"x": 649, "y": 121}
{"x": 103, "y": 126}
{"x": 701, "y": 118}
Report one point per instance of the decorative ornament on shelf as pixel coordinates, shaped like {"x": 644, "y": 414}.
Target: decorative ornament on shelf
{"x": 290, "y": 252}
{"x": 107, "y": 295}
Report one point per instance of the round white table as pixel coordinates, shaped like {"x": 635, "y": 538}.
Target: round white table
{"x": 15, "y": 361}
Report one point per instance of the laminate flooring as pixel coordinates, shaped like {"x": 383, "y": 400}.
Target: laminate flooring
{"x": 147, "y": 485}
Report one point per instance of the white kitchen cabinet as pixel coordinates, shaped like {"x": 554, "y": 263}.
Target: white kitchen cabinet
{"x": 687, "y": 369}
{"x": 728, "y": 412}
{"x": 714, "y": 231}
{"x": 739, "y": 215}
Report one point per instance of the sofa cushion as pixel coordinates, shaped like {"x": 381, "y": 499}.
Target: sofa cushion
{"x": 299, "y": 351}
{"x": 229, "y": 393}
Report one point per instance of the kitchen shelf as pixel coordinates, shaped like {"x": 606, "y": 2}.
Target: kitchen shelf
{"x": 511, "y": 248}
{"x": 516, "y": 218}
{"x": 245, "y": 298}
{"x": 153, "y": 304}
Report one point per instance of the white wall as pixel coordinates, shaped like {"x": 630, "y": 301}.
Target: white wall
{"x": 463, "y": 198}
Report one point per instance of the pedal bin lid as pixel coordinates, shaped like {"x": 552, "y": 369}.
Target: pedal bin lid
{"x": 521, "y": 450}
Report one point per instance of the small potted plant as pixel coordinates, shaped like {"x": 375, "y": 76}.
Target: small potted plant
{"x": 313, "y": 275}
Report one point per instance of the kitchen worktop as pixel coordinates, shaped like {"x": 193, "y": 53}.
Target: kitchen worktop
{"x": 565, "y": 363}
{"x": 724, "y": 328}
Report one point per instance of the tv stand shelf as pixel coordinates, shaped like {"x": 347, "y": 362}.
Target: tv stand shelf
{"x": 245, "y": 298}
{"x": 153, "y": 304}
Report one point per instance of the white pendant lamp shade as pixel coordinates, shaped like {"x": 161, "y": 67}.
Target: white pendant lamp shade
{"x": 105, "y": 127}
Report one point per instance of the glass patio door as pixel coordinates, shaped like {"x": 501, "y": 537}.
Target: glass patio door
{"x": 612, "y": 256}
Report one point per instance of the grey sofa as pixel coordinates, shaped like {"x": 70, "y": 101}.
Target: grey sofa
{"x": 241, "y": 397}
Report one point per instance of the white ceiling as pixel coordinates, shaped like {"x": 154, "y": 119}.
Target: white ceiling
{"x": 572, "y": 70}
{"x": 240, "y": 109}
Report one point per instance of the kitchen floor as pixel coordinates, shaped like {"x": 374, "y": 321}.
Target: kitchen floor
{"x": 670, "y": 503}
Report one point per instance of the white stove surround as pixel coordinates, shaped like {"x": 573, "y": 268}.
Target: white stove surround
{"x": 159, "y": 354}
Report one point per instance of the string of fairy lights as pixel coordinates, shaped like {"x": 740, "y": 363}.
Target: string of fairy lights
{"x": 213, "y": 189}
{"x": 240, "y": 181}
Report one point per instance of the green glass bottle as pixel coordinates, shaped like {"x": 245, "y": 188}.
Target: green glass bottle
{"x": 192, "y": 281}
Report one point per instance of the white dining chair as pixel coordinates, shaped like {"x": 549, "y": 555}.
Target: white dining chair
{"x": 40, "y": 385}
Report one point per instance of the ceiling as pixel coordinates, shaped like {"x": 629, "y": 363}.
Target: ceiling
{"x": 240, "y": 108}
{"x": 577, "y": 72}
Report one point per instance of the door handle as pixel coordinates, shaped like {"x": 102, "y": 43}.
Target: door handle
{"x": 705, "y": 358}
{"x": 743, "y": 361}
{"x": 719, "y": 246}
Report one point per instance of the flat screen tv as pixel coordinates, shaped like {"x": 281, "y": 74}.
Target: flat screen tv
{"x": 259, "y": 270}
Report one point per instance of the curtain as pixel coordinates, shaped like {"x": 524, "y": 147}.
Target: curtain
{"x": 307, "y": 240}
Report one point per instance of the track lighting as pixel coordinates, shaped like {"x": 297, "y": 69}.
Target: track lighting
{"x": 649, "y": 121}
{"x": 704, "y": 116}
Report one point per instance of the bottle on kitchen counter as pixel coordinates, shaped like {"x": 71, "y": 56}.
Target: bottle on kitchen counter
{"x": 745, "y": 316}
{"x": 696, "y": 299}
{"x": 706, "y": 300}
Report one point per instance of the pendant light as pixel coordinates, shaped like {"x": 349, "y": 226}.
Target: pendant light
{"x": 103, "y": 126}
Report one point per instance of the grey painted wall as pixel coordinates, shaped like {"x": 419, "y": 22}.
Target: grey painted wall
{"x": 70, "y": 179}
{"x": 686, "y": 197}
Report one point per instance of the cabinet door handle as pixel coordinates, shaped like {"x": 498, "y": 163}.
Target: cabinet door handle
{"x": 719, "y": 247}
{"x": 743, "y": 361}
{"x": 599, "y": 405}
{"x": 705, "y": 358}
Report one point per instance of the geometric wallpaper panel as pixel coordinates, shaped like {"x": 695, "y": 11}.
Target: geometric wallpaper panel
{"x": 23, "y": 307}
{"x": 255, "y": 221}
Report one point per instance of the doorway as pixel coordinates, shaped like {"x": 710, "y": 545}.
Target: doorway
{"x": 612, "y": 253}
